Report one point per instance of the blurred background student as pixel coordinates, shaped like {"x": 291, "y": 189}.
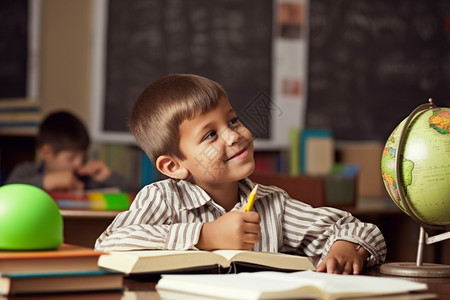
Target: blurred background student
{"x": 62, "y": 145}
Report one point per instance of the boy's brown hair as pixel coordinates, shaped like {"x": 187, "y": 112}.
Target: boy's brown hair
{"x": 160, "y": 109}
{"x": 63, "y": 131}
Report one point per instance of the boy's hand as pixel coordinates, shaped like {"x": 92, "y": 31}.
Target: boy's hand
{"x": 64, "y": 180}
{"x": 234, "y": 230}
{"x": 344, "y": 258}
{"x": 97, "y": 170}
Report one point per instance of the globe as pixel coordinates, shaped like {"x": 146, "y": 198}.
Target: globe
{"x": 424, "y": 166}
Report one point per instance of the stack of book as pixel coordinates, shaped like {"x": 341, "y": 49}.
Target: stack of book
{"x": 311, "y": 152}
{"x": 129, "y": 161}
{"x": 19, "y": 116}
{"x": 93, "y": 200}
{"x": 69, "y": 268}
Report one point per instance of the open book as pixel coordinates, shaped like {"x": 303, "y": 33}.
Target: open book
{"x": 279, "y": 285}
{"x": 158, "y": 261}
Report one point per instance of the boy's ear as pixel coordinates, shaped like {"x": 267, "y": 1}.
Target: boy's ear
{"x": 46, "y": 151}
{"x": 171, "y": 167}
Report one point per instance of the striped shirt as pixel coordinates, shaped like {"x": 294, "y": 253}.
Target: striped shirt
{"x": 169, "y": 214}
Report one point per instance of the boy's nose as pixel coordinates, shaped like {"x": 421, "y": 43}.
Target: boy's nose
{"x": 231, "y": 137}
{"x": 77, "y": 163}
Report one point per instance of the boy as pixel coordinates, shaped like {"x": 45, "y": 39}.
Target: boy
{"x": 62, "y": 143}
{"x": 189, "y": 130}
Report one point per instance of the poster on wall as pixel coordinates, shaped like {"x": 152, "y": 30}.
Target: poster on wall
{"x": 290, "y": 66}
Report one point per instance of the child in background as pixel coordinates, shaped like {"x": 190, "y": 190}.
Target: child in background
{"x": 62, "y": 144}
{"x": 189, "y": 130}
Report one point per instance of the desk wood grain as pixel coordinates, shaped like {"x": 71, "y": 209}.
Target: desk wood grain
{"x": 83, "y": 227}
{"x": 86, "y": 214}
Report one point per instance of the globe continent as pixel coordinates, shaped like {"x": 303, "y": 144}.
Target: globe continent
{"x": 425, "y": 166}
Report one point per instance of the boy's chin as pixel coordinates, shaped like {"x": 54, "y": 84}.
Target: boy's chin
{"x": 250, "y": 171}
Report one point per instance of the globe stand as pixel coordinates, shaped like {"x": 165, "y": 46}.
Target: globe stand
{"x": 418, "y": 269}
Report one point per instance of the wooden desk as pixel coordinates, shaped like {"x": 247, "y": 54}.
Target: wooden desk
{"x": 83, "y": 227}
{"x": 439, "y": 287}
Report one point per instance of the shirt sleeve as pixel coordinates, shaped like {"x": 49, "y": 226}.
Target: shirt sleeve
{"x": 150, "y": 223}
{"x": 314, "y": 230}
{"x": 27, "y": 173}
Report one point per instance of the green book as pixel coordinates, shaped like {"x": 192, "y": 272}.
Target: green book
{"x": 59, "y": 282}
{"x": 294, "y": 151}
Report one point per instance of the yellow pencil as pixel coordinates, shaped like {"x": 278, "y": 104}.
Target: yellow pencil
{"x": 251, "y": 198}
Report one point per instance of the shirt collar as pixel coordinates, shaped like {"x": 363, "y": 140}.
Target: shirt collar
{"x": 246, "y": 186}
{"x": 194, "y": 196}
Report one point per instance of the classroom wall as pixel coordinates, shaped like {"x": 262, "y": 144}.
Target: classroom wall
{"x": 65, "y": 58}
{"x": 65, "y": 63}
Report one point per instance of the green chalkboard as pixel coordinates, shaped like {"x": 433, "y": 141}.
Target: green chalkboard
{"x": 372, "y": 62}
{"x": 14, "y": 20}
{"x": 229, "y": 41}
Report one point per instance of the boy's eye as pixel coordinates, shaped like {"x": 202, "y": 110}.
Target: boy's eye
{"x": 233, "y": 121}
{"x": 209, "y": 135}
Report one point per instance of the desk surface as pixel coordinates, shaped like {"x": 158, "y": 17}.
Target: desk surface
{"x": 438, "y": 288}
{"x": 89, "y": 214}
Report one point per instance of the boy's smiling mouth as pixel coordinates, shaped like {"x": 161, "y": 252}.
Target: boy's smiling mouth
{"x": 241, "y": 154}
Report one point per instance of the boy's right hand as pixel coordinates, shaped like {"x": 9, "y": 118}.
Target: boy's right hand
{"x": 234, "y": 230}
{"x": 64, "y": 180}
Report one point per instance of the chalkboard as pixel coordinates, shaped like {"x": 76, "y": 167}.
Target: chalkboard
{"x": 228, "y": 41}
{"x": 372, "y": 62}
{"x": 13, "y": 48}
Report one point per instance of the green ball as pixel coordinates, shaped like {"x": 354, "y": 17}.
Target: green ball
{"x": 29, "y": 219}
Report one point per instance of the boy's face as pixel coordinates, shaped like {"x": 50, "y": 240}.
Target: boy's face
{"x": 62, "y": 160}
{"x": 216, "y": 146}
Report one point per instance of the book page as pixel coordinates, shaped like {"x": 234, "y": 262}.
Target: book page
{"x": 233, "y": 286}
{"x": 346, "y": 285}
{"x": 280, "y": 285}
{"x": 269, "y": 259}
{"x": 153, "y": 253}
{"x": 159, "y": 260}
{"x": 229, "y": 254}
